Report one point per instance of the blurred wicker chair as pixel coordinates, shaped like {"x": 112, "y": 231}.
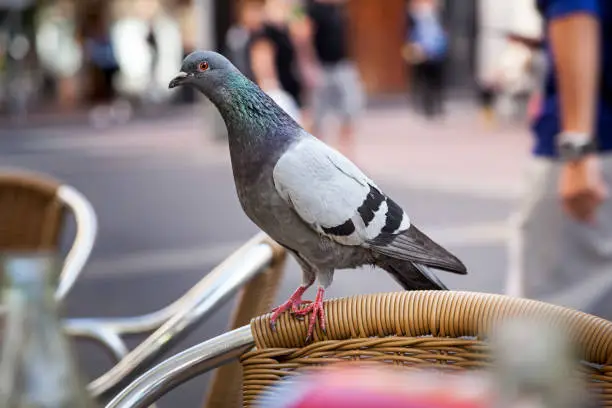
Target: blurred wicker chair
{"x": 444, "y": 330}
{"x": 33, "y": 211}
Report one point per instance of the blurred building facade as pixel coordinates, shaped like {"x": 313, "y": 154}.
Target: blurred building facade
{"x": 47, "y": 44}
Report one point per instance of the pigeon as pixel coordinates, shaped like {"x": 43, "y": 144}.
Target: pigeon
{"x": 308, "y": 197}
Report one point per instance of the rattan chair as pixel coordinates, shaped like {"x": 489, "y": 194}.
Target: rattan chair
{"x": 445, "y": 330}
{"x": 33, "y": 210}
{"x": 434, "y": 329}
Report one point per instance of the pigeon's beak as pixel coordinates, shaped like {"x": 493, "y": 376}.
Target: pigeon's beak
{"x": 178, "y": 80}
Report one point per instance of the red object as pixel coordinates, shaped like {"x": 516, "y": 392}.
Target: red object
{"x": 380, "y": 387}
{"x": 350, "y": 398}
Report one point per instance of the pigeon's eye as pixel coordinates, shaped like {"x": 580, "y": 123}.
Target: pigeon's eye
{"x": 203, "y": 66}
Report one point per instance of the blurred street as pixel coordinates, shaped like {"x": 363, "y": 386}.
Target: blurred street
{"x": 168, "y": 213}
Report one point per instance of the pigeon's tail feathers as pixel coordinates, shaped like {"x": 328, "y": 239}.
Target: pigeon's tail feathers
{"x": 412, "y": 276}
{"x": 413, "y": 245}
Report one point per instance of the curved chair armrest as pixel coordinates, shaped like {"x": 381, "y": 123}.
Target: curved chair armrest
{"x": 86, "y": 231}
{"x": 453, "y": 314}
{"x": 213, "y": 291}
{"x": 182, "y": 367}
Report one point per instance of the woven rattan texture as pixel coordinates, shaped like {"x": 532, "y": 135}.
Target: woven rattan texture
{"x": 414, "y": 329}
{"x": 31, "y": 216}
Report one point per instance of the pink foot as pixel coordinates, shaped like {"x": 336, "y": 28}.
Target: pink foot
{"x": 317, "y": 311}
{"x": 293, "y": 304}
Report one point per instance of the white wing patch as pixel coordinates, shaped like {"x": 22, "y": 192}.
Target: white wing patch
{"x": 379, "y": 221}
{"x": 404, "y": 225}
{"x": 329, "y": 193}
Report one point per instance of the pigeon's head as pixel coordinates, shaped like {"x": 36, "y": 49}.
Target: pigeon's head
{"x": 204, "y": 70}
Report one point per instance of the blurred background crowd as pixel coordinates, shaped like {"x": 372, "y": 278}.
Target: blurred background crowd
{"x": 65, "y": 54}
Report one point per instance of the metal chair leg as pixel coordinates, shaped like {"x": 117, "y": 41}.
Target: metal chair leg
{"x": 257, "y": 298}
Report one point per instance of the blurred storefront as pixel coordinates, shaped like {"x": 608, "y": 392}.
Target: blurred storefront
{"x": 147, "y": 40}
{"x": 47, "y": 45}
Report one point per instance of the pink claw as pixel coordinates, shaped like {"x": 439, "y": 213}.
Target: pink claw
{"x": 293, "y": 303}
{"x": 317, "y": 311}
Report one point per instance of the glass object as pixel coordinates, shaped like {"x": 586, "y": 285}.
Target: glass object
{"x": 37, "y": 369}
{"x": 537, "y": 365}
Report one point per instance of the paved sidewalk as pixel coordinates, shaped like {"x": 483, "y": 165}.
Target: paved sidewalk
{"x": 458, "y": 153}
{"x": 50, "y": 117}
{"x": 394, "y": 144}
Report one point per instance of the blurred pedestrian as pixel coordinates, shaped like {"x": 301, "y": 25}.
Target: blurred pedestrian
{"x": 187, "y": 25}
{"x": 273, "y": 58}
{"x": 103, "y": 65}
{"x": 339, "y": 88}
{"x": 152, "y": 42}
{"x": 302, "y": 33}
{"x": 239, "y": 36}
{"x": 60, "y": 60}
{"x": 426, "y": 50}
{"x": 563, "y": 230}
{"x": 514, "y": 76}
{"x": 487, "y": 94}
{"x": 100, "y": 54}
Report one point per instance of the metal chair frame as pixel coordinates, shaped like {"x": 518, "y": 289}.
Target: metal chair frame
{"x": 84, "y": 240}
{"x": 173, "y": 322}
{"x": 85, "y": 217}
{"x": 182, "y": 367}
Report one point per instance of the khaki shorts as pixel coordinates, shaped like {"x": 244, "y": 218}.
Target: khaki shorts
{"x": 339, "y": 90}
{"x": 552, "y": 257}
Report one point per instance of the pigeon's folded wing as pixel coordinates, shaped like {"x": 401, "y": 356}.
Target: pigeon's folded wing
{"x": 334, "y": 197}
